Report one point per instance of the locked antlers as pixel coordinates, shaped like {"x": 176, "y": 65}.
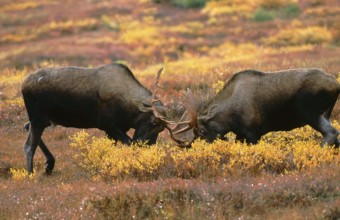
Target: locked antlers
{"x": 167, "y": 123}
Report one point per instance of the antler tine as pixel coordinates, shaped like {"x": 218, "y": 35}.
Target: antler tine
{"x": 155, "y": 86}
{"x": 191, "y": 109}
{"x": 161, "y": 117}
{"x": 180, "y": 120}
{"x": 154, "y": 99}
{"x": 158, "y": 77}
{"x": 187, "y": 128}
{"x": 158, "y": 115}
{"x": 182, "y": 143}
{"x": 181, "y": 123}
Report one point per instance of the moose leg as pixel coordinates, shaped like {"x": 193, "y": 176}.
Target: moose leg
{"x": 329, "y": 110}
{"x": 329, "y": 133}
{"x": 116, "y": 134}
{"x": 327, "y": 115}
{"x": 252, "y": 138}
{"x": 31, "y": 144}
{"x": 240, "y": 137}
{"x": 50, "y": 161}
{"x": 337, "y": 143}
{"x": 249, "y": 138}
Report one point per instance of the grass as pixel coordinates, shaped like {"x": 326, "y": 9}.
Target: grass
{"x": 220, "y": 199}
{"x": 309, "y": 195}
{"x": 286, "y": 176}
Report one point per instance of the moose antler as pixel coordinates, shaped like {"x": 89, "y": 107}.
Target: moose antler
{"x": 154, "y": 99}
{"x": 191, "y": 109}
{"x": 182, "y": 143}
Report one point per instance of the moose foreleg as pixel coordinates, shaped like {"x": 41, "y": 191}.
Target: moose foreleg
{"x": 117, "y": 135}
{"x": 329, "y": 133}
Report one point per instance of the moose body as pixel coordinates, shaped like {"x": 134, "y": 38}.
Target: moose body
{"x": 253, "y": 103}
{"x": 108, "y": 97}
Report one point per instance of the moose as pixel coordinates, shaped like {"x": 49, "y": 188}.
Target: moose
{"x": 253, "y": 103}
{"x": 107, "y": 97}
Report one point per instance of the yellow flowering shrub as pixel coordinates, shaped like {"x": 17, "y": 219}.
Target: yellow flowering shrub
{"x": 241, "y": 8}
{"x": 308, "y": 155}
{"x": 20, "y": 174}
{"x": 193, "y": 68}
{"x": 276, "y": 3}
{"x": 61, "y": 26}
{"x": 106, "y": 158}
{"x": 22, "y": 5}
{"x": 277, "y": 152}
{"x": 236, "y": 52}
{"x": 226, "y": 8}
{"x": 256, "y": 158}
{"x": 87, "y": 23}
{"x": 300, "y": 35}
{"x": 218, "y": 86}
{"x": 10, "y": 76}
{"x": 19, "y": 102}
{"x": 10, "y": 82}
{"x": 146, "y": 35}
{"x": 198, "y": 159}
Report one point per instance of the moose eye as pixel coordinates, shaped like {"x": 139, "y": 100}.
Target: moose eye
{"x": 153, "y": 122}
{"x": 202, "y": 131}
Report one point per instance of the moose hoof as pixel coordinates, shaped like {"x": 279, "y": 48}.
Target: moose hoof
{"x": 49, "y": 167}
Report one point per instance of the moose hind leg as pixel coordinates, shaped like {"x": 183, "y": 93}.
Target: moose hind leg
{"x": 329, "y": 133}
{"x": 50, "y": 161}
{"x": 31, "y": 144}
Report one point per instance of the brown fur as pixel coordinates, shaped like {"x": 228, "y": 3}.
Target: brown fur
{"x": 253, "y": 103}
{"x": 108, "y": 97}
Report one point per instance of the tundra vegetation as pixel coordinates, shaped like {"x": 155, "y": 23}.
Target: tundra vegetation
{"x": 201, "y": 44}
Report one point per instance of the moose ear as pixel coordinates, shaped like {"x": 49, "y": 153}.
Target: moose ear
{"x": 208, "y": 114}
{"x": 202, "y": 119}
{"x": 142, "y": 106}
{"x": 145, "y": 107}
{"x": 160, "y": 109}
{"x": 212, "y": 110}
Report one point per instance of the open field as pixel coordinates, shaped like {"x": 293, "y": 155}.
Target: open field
{"x": 286, "y": 176}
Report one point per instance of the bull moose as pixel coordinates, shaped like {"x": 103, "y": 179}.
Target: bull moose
{"x": 253, "y": 103}
{"x": 108, "y": 97}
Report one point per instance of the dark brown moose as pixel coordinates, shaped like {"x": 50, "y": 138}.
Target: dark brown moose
{"x": 108, "y": 97}
{"x": 253, "y": 103}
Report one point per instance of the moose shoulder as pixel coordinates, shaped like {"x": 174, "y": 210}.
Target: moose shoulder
{"x": 253, "y": 103}
{"x": 108, "y": 97}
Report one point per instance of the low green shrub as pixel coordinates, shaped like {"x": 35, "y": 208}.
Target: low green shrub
{"x": 290, "y": 11}
{"x": 263, "y": 15}
{"x": 189, "y": 3}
